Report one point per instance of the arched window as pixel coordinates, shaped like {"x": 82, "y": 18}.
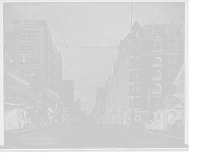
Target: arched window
{"x": 175, "y": 47}
{"x": 8, "y": 58}
{"x": 156, "y": 87}
{"x": 138, "y": 47}
{"x": 169, "y": 47}
{"x": 157, "y": 61}
{"x": 154, "y": 46}
{"x": 157, "y": 75}
{"x": 159, "y": 46}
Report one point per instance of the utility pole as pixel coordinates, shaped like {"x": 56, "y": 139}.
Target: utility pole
{"x": 149, "y": 96}
{"x": 37, "y": 99}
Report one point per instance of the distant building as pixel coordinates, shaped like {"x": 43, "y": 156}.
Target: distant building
{"x": 77, "y": 105}
{"x": 16, "y": 99}
{"x": 100, "y": 106}
{"x": 30, "y": 50}
{"x": 147, "y": 63}
{"x": 69, "y": 95}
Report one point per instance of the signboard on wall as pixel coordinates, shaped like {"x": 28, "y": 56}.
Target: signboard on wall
{"x": 152, "y": 109}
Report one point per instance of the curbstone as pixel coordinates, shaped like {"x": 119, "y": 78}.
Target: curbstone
{"x": 19, "y": 133}
{"x": 158, "y": 133}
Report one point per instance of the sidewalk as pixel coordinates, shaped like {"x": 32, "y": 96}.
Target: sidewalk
{"x": 178, "y": 134}
{"x": 16, "y": 132}
{"x": 27, "y": 130}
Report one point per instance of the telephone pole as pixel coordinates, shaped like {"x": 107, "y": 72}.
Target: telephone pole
{"x": 37, "y": 100}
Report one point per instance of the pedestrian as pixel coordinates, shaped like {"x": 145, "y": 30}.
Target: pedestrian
{"x": 22, "y": 121}
{"x": 30, "y": 122}
{"x": 151, "y": 124}
{"x": 53, "y": 121}
{"x": 34, "y": 123}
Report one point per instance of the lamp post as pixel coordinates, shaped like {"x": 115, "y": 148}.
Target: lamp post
{"x": 148, "y": 96}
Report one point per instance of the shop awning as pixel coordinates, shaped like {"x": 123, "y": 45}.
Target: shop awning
{"x": 51, "y": 112}
{"x": 67, "y": 117}
{"x": 8, "y": 108}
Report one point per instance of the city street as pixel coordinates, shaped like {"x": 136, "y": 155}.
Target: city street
{"x": 91, "y": 136}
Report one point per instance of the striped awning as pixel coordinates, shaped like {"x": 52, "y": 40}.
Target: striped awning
{"x": 51, "y": 112}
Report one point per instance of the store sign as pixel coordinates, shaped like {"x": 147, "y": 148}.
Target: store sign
{"x": 152, "y": 109}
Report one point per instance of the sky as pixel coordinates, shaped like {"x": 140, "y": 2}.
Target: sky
{"x": 101, "y": 24}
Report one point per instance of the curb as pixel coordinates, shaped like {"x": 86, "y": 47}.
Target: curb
{"x": 19, "y": 133}
{"x": 157, "y": 133}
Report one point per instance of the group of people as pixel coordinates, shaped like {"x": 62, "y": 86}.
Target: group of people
{"x": 149, "y": 124}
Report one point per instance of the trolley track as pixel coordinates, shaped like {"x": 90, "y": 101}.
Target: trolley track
{"x": 116, "y": 136}
{"x": 71, "y": 136}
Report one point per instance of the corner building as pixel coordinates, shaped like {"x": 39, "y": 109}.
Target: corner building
{"x": 40, "y": 62}
{"x": 146, "y": 65}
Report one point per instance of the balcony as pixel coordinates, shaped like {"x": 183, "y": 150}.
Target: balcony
{"x": 156, "y": 65}
{"x": 156, "y": 91}
{"x": 156, "y": 78}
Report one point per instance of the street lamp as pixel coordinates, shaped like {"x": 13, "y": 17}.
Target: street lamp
{"x": 148, "y": 95}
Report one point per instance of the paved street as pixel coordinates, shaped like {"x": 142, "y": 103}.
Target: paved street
{"x": 90, "y": 135}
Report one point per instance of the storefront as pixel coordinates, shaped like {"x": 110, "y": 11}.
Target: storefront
{"x": 13, "y": 115}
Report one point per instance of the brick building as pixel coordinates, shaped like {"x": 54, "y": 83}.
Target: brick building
{"x": 30, "y": 50}
{"x": 147, "y": 63}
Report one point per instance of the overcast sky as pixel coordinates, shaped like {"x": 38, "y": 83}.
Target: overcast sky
{"x": 91, "y": 24}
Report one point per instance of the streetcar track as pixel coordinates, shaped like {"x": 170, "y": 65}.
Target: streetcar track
{"x": 84, "y": 135}
{"x": 102, "y": 136}
{"x": 116, "y": 136}
{"x": 70, "y": 136}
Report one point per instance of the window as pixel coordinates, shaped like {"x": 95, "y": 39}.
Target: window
{"x": 173, "y": 73}
{"x": 173, "y": 60}
{"x": 157, "y": 74}
{"x": 37, "y": 71}
{"x": 37, "y": 59}
{"x": 30, "y": 70}
{"x": 5, "y": 45}
{"x": 32, "y": 82}
{"x": 30, "y": 57}
{"x": 137, "y": 59}
{"x": 131, "y": 61}
{"x": 154, "y": 46}
{"x": 168, "y": 86}
{"x": 159, "y": 46}
{"x": 174, "y": 47}
{"x": 169, "y": 60}
{"x": 23, "y": 58}
{"x": 171, "y": 33}
{"x": 23, "y": 44}
{"x": 169, "y": 47}
{"x": 157, "y": 33}
{"x": 131, "y": 87}
{"x": 137, "y": 72}
{"x": 131, "y": 74}
{"x": 156, "y": 87}
{"x": 138, "y": 47}
{"x": 156, "y": 100}
{"x": 8, "y": 58}
{"x": 137, "y": 86}
{"x": 169, "y": 73}
{"x": 131, "y": 101}
{"x": 137, "y": 100}
{"x": 157, "y": 62}
{"x": 29, "y": 44}
{"x": 137, "y": 34}
{"x": 23, "y": 70}
{"x": 36, "y": 45}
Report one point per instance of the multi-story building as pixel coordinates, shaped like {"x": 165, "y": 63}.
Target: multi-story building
{"x": 36, "y": 57}
{"x": 100, "y": 106}
{"x": 147, "y": 63}
{"x": 69, "y": 95}
{"x": 15, "y": 99}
